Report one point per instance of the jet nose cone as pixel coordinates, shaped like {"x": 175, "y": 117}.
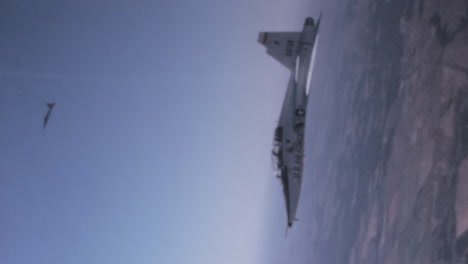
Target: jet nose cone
{"x": 309, "y": 21}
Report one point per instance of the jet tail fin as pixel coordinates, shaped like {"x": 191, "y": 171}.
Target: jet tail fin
{"x": 281, "y": 45}
{"x": 50, "y": 105}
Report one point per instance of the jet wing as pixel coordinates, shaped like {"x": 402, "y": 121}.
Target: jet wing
{"x": 288, "y": 102}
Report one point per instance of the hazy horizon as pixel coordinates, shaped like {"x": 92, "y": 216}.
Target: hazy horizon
{"x": 158, "y": 147}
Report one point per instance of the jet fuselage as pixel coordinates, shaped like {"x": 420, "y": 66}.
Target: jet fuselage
{"x": 294, "y": 50}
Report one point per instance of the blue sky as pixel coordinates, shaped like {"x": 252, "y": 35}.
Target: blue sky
{"x": 157, "y": 150}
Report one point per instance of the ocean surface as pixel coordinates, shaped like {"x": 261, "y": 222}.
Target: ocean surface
{"x": 386, "y": 138}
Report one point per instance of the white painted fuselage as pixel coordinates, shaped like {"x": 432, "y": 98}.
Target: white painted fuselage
{"x": 294, "y": 50}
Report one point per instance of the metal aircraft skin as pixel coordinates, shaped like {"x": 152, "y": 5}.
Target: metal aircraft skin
{"x": 294, "y": 50}
{"x": 46, "y": 118}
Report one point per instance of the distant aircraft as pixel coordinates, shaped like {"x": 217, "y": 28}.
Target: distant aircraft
{"x": 46, "y": 118}
{"x": 294, "y": 50}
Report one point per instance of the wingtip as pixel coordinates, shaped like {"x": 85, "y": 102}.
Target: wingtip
{"x": 262, "y": 37}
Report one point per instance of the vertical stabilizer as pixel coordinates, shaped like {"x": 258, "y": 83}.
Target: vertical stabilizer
{"x": 282, "y": 46}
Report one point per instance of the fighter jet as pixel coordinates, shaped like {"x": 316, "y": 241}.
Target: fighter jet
{"x": 295, "y": 51}
{"x": 46, "y": 118}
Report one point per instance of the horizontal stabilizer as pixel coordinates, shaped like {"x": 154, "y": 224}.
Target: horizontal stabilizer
{"x": 282, "y": 46}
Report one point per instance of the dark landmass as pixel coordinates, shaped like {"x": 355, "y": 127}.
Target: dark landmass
{"x": 394, "y": 183}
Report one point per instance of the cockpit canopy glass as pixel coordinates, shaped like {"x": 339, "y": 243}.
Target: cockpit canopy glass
{"x": 277, "y": 152}
{"x": 277, "y": 159}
